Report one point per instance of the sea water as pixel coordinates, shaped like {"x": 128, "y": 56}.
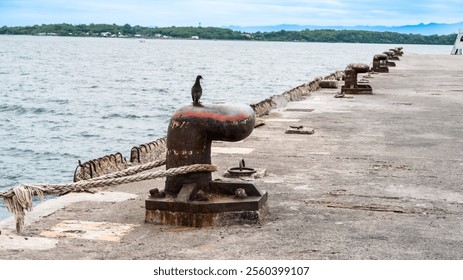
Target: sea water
{"x": 64, "y": 99}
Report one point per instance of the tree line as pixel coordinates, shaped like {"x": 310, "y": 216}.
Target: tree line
{"x": 216, "y": 33}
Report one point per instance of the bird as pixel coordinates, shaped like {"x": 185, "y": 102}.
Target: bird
{"x": 196, "y": 90}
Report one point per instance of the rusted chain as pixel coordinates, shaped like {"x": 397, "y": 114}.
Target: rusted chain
{"x": 19, "y": 198}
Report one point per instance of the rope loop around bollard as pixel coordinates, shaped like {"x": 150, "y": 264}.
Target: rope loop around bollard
{"x": 19, "y": 198}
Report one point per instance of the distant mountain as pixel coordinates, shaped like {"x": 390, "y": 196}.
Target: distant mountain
{"x": 423, "y": 29}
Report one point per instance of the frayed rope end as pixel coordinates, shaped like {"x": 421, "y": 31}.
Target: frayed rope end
{"x": 19, "y": 200}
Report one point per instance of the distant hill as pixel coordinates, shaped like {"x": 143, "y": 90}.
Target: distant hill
{"x": 423, "y": 29}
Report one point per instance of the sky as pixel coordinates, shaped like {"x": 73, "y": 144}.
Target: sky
{"x": 230, "y": 12}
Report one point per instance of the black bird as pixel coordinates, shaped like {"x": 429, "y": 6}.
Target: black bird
{"x": 196, "y": 90}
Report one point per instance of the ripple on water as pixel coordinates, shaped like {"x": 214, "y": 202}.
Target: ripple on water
{"x": 122, "y": 116}
{"x": 87, "y": 134}
{"x": 13, "y": 108}
{"x": 59, "y": 101}
{"x": 42, "y": 110}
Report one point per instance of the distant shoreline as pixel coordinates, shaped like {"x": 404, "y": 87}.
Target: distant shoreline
{"x": 216, "y": 33}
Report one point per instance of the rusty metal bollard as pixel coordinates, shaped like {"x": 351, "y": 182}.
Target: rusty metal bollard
{"x": 380, "y": 63}
{"x": 395, "y": 54}
{"x": 195, "y": 199}
{"x": 390, "y": 56}
{"x": 191, "y": 131}
{"x": 350, "y": 80}
{"x": 398, "y": 51}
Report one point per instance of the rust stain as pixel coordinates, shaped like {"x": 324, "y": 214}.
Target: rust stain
{"x": 185, "y": 219}
{"x": 209, "y": 115}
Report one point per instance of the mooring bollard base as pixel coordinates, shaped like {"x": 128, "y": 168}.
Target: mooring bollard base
{"x": 223, "y": 207}
{"x": 199, "y": 220}
{"x": 360, "y": 89}
{"x": 381, "y": 69}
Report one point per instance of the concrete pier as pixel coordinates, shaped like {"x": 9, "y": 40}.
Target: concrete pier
{"x": 381, "y": 178}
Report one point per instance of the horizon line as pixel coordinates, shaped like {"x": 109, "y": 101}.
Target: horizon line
{"x": 233, "y": 25}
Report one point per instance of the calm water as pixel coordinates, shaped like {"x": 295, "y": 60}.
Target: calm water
{"x": 69, "y": 99}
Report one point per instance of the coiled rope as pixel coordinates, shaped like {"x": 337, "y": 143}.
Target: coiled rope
{"x": 20, "y": 197}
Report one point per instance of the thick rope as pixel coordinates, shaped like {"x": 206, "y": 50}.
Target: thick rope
{"x": 126, "y": 172}
{"x": 131, "y": 170}
{"x": 19, "y": 198}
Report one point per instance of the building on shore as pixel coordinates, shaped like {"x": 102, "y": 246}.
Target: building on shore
{"x": 458, "y": 46}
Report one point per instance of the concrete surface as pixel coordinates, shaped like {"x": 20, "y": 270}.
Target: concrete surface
{"x": 379, "y": 179}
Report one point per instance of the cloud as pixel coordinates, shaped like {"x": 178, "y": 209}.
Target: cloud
{"x": 229, "y": 12}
